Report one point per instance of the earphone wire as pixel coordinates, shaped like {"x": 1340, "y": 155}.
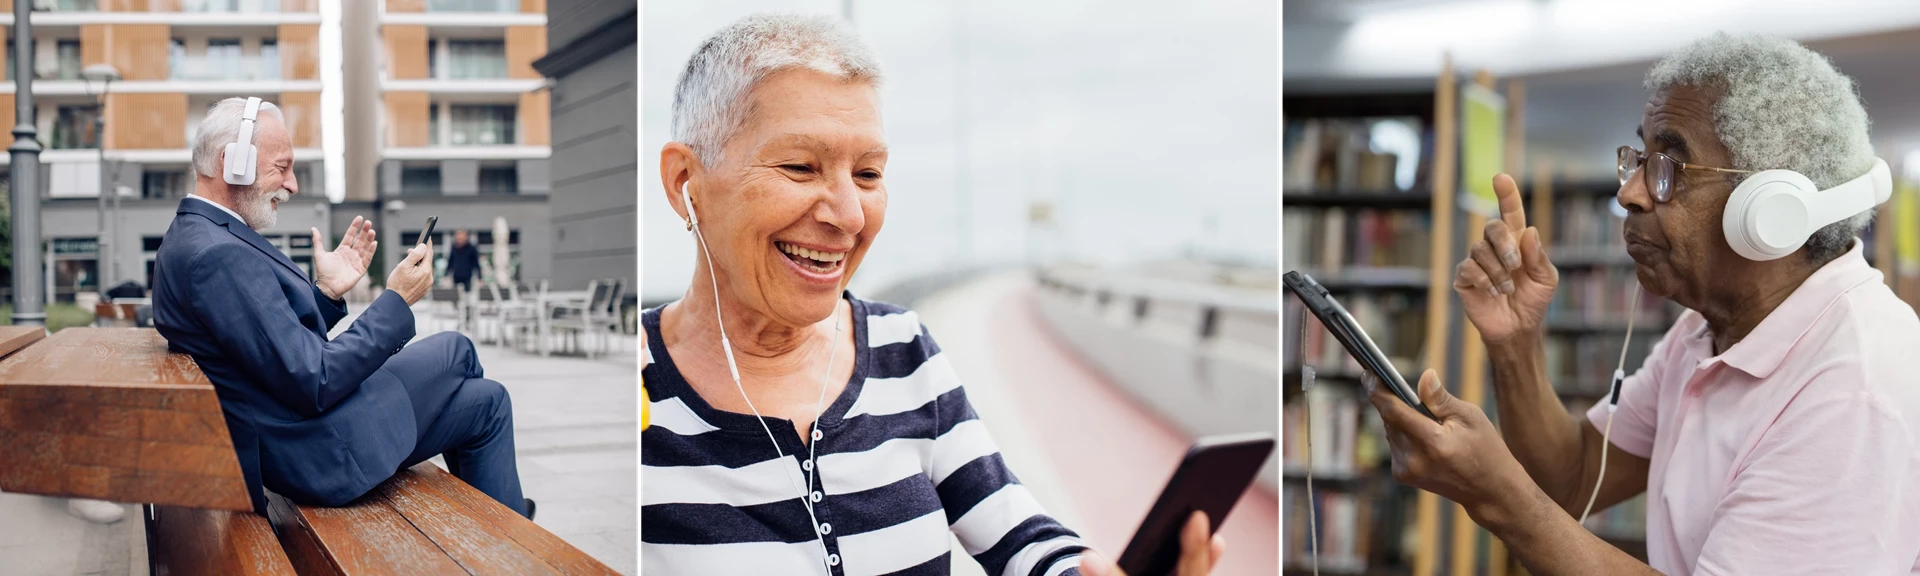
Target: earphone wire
{"x": 726, "y": 347}
{"x": 1306, "y": 383}
{"x": 1613, "y": 401}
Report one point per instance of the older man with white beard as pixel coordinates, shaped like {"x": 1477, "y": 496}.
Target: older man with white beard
{"x": 320, "y": 421}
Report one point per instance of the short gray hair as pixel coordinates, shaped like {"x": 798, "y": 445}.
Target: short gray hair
{"x": 709, "y": 103}
{"x": 222, "y": 127}
{"x": 1784, "y": 107}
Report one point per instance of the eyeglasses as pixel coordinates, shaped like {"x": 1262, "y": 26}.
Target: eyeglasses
{"x": 1661, "y": 170}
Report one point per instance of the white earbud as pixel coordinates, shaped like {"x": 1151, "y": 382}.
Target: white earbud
{"x": 1773, "y": 212}
{"x": 693, "y": 220}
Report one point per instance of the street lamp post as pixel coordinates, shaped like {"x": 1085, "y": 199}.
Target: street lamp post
{"x": 106, "y": 261}
{"x": 28, "y": 306}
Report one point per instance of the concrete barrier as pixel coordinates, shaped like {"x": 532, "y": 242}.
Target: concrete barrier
{"x": 1205, "y": 357}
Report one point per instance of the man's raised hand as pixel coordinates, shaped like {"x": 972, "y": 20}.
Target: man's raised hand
{"x": 338, "y": 270}
{"x": 1506, "y": 281}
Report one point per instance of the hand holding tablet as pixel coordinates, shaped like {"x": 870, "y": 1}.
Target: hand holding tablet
{"x": 1351, "y": 336}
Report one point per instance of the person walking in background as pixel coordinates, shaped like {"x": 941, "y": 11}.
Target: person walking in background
{"x": 463, "y": 258}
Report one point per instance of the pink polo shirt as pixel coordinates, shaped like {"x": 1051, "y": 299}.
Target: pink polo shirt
{"x": 1795, "y": 451}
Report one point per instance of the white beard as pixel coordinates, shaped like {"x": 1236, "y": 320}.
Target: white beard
{"x": 258, "y": 208}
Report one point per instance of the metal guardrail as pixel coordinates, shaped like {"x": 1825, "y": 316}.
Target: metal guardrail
{"x": 1205, "y": 357}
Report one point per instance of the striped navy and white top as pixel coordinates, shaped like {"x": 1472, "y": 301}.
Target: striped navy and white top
{"x": 903, "y": 461}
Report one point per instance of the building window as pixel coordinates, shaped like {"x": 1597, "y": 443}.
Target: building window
{"x": 67, "y": 61}
{"x": 433, "y": 124}
{"x": 176, "y": 56}
{"x": 267, "y": 66}
{"x": 75, "y": 266}
{"x": 223, "y": 59}
{"x": 163, "y": 185}
{"x": 473, "y": 5}
{"x": 421, "y": 180}
{"x": 467, "y": 59}
{"x": 499, "y": 180}
{"x": 74, "y": 127}
{"x": 481, "y": 125}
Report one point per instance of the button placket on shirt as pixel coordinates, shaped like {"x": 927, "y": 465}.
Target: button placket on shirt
{"x": 817, "y": 494}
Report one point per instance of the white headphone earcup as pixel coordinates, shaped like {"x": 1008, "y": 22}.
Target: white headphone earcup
{"x": 1767, "y": 216}
{"x": 240, "y": 156}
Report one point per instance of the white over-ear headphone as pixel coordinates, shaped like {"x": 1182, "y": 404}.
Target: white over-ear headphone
{"x": 1773, "y": 212}
{"x": 241, "y": 153}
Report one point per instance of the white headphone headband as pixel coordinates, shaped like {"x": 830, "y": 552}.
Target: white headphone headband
{"x": 247, "y": 120}
{"x": 1772, "y": 213}
{"x": 1853, "y": 197}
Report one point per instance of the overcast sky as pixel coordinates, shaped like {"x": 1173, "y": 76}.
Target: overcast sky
{"x": 1149, "y": 126}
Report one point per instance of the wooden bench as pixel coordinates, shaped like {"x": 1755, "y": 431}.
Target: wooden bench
{"x": 109, "y": 414}
{"x": 422, "y": 521}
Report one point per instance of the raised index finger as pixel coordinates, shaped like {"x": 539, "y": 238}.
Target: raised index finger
{"x": 1512, "y": 210}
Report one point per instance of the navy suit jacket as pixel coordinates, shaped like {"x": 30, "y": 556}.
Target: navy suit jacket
{"x": 312, "y": 419}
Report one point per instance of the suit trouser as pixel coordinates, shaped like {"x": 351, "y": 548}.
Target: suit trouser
{"x": 460, "y": 414}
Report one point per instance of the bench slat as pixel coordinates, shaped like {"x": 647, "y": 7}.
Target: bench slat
{"x": 365, "y": 537}
{"x": 536, "y": 540}
{"x": 109, "y": 413}
{"x": 478, "y": 545}
{"x": 422, "y": 521}
{"x": 188, "y": 541}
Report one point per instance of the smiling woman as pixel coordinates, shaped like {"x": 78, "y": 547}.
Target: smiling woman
{"x": 795, "y": 428}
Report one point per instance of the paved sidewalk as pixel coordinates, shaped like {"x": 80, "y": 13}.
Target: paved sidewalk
{"x": 575, "y": 433}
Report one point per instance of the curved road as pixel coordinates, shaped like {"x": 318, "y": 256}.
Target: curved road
{"x": 1094, "y": 456}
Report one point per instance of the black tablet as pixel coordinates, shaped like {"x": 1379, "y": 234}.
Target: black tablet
{"x": 1348, "y": 332}
{"x": 1216, "y": 471}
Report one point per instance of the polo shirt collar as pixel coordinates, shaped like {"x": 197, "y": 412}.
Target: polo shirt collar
{"x": 1768, "y": 344}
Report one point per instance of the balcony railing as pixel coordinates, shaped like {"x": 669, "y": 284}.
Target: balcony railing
{"x": 63, "y": 5}
{"x": 473, "y": 5}
{"x": 188, "y": 6}
{"x": 243, "y": 6}
{"x": 243, "y": 68}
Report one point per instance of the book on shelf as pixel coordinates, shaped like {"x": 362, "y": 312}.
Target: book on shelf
{"x": 1600, "y": 298}
{"x": 1584, "y": 223}
{"x": 1395, "y": 321}
{"x": 1583, "y": 364}
{"x": 1332, "y": 239}
{"x": 1346, "y": 434}
{"x": 1336, "y": 155}
{"x": 1345, "y": 526}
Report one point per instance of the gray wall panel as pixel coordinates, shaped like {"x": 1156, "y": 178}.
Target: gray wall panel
{"x": 595, "y": 160}
{"x": 460, "y": 177}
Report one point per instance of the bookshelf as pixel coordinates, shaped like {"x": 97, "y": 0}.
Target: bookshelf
{"x": 1588, "y": 319}
{"x": 1357, "y": 203}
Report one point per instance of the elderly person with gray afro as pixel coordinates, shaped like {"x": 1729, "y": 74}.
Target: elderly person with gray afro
{"x": 1773, "y": 428}
{"x": 797, "y": 429}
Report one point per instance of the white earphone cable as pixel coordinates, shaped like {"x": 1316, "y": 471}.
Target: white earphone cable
{"x": 1613, "y": 401}
{"x": 726, "y": 347}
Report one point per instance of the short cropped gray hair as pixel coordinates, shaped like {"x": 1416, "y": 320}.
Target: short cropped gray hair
{"x": 1784, "y": 107}
{"x": 709, "y": 103}
{"x": 222, "y": 127}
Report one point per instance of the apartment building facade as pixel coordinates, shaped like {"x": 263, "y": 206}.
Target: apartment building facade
{"x": 436, "y": 121}
{"x": 447, "y": 95}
